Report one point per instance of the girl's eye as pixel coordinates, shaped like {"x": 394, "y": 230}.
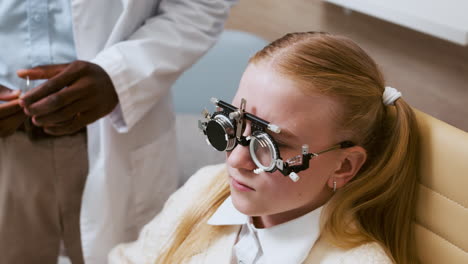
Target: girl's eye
{"x": 282, "y": 144}
{"x": 288, "y": 146}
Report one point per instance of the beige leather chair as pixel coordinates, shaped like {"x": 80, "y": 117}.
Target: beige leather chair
{"x": 442, "y": 208}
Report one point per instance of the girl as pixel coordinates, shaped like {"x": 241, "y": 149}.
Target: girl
{"x": 348, "y": 198}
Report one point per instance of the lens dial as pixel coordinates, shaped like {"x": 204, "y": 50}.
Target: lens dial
{"x": 220, "y": 133}
{"x": 263, "y": 151}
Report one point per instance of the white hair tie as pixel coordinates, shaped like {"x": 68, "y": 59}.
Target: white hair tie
{"x": 390, "y": 95}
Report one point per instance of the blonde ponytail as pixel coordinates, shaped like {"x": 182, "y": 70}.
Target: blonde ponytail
{"x": 382, "y": 198}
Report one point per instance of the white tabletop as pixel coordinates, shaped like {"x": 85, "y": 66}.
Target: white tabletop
{"x": 446, "y": 19}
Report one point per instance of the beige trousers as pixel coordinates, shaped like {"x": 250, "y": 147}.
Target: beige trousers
{"x": 41, "y": 185}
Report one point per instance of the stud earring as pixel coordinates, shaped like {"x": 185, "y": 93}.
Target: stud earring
{"x": 334, "y": 186}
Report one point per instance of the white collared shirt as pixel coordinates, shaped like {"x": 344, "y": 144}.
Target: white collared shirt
{"x": 289, "y": 242}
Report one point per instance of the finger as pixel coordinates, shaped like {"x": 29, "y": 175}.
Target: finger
{"x": 10, "y": 125}
{"x": 41, "y": 72}
{"x": 58, "y": 100}
{"x": 65, "y": 78}
{"x": 62, "y": 115}
{"x": 9, "y": 108}
{"x": 78, "y": 123}
{"x": 7, "y": 94}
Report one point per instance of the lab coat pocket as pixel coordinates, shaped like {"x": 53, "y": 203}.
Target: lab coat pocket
{"x": 154, "y": 177}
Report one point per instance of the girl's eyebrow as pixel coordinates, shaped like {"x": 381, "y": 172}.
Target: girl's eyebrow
{"x": 284, "y": 135}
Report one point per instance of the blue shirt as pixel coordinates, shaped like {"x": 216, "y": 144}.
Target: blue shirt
{"x": 32, "y": 33}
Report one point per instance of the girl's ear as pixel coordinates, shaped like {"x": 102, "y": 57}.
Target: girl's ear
{"x": 350, "y": 163}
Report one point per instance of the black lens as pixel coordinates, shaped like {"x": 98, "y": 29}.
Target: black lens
{"x": 216, "y": 135}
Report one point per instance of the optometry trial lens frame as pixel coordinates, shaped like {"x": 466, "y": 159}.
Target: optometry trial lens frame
{"x": 224, "y": 130}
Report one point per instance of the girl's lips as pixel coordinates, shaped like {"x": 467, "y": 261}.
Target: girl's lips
{"x": 240, "y": 186}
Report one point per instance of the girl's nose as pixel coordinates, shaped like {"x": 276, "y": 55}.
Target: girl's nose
{"x": 240, "y": 158}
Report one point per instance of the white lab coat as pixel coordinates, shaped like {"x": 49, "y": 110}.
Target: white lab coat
{"x": 132, "y": 164}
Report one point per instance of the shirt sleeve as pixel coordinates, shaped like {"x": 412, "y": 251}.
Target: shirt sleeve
{"x": 144, "y": 67}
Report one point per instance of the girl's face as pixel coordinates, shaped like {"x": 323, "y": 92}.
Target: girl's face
{"x": 304, "y": 119}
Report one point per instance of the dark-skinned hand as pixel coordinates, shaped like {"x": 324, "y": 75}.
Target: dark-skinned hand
{"x": 11, "y": 113}
{"x": 75, "y": 95}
